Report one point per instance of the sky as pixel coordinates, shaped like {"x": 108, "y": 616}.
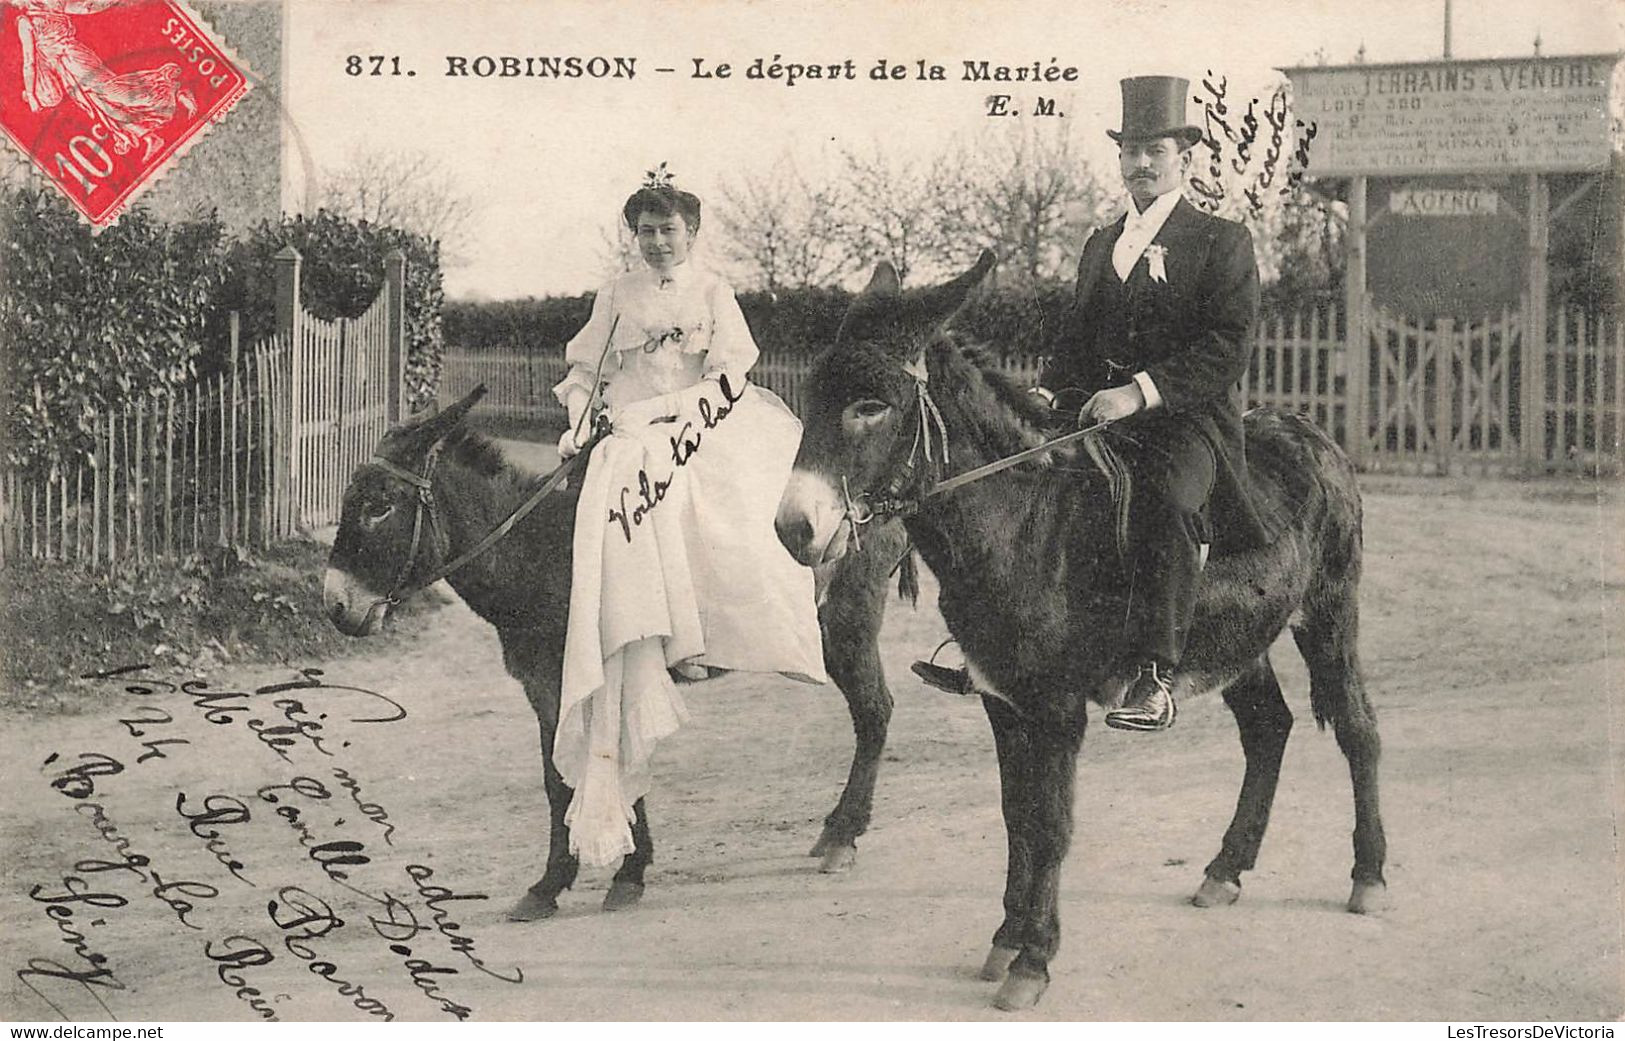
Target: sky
{"x": 548, "y": 162}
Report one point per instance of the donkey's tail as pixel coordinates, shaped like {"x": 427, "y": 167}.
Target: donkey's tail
{"x": 908, "y": 576}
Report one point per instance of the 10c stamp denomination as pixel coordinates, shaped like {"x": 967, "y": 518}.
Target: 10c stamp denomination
{"x": 103, "y": 94}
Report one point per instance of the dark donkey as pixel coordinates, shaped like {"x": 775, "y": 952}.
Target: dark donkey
{"x": 391, "y": 537}
{"x": 1005, "y": 550}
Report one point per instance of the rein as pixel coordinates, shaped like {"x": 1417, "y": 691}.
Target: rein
{"x": 426, "y": 508}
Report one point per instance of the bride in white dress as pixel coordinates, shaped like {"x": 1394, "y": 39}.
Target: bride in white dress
{"x": 676, "y": 563}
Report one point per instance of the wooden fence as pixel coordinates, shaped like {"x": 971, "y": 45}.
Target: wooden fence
{"x": 517, "y": 385}
{"x": 247, "y": 456}
{"x": 346, "y": 382}
{"x": 1434, "y": 397}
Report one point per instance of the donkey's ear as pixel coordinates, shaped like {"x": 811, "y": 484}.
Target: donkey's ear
{"x": 430, "y": 426}
{"x": 453, "y": 414}
{"x": 943, "y": 302}
{"x": 884, "y": 282}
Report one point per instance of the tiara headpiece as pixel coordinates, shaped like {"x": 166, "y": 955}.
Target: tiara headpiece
{"x": 658, "y": 178}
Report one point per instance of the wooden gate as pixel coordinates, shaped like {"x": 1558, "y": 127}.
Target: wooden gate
{"x": 1442, "y": 395}
{"x": 346, "y": 384}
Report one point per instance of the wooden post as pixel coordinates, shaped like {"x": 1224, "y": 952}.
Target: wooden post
{"x": 169, "y": 470}
{"x": 289, "y": 326}
{"x": 112, "y": 493}
{"x": 1533, "y": 392}
{"x": 1444, "y": 351}
{"x": 1358, "y": 351}
{"x": 238, "y": 530}
{"x": 395, "y": 374}
{"x": 98, "y": 468}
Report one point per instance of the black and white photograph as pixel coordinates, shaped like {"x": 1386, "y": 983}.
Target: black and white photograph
{"x": 745, "y": 511}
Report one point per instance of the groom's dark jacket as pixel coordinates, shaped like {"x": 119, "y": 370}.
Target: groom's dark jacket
{"x": 1192, "y": 334}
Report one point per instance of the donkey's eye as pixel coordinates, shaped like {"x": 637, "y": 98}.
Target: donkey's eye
{"x": 374, "y": 513}
{"x": 860, "y": 416}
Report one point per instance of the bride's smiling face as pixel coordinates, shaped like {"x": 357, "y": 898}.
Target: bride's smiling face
{"x": 664, "y": 241}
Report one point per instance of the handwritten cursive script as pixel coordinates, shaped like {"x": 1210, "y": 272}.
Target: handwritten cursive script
{"x": 1223, "y": 130}
{"x": 685, "y": 445}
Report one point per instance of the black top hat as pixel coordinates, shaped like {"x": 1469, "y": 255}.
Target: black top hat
{"x": 1154, "y": 106}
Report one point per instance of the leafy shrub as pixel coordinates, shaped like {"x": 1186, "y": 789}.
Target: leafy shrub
{"x": 531, "y": 324}
{"x": 187, "y": 617}
{"x": 90, "y": 322}
{"x": 342, "y": 273}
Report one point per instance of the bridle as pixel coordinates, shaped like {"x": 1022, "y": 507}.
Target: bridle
{"x": 424, "y": 483}
{"x": 863, "y": 508}
{"x": 425, "y": 510}
{"x": 929, "y": 427}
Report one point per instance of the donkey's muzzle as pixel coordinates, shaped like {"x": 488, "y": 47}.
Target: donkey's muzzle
{"x": 352, "y": 608}
{"x": 809, "y": 520}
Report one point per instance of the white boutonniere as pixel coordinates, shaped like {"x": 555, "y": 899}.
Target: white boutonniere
{"x": 1156, "y": 257}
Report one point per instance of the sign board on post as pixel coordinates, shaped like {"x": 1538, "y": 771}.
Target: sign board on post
{"x": 1422, "y": 268}
{"x": 1499, "y": 116}
{"x": 1443, "y": 202}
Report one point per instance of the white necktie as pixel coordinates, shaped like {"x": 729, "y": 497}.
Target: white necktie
{"x": 1138, "y": 232}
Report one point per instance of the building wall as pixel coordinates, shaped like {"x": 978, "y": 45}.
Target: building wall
{"x": 236, "y": 167}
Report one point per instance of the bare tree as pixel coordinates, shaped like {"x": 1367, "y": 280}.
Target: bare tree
{"x": 1028, "y": 194}
{"x": 894, "y": 210}
{"x": 778, "y": 231}
{"x": 413, "y": 191}
{"x": 617, "y": 249}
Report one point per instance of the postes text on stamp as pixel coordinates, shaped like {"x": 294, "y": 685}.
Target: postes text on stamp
{"x": 104, "y": 94}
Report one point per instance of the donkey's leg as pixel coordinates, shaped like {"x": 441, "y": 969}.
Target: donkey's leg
{"x": 851, "y": 617}
{"x": 1265, "y": 722}
{"x": 1010, "y": 740}
{"x": 1050, "y": 778}
{"x": 627, "y": 887}
{"x": 1327, "y": 640}
{"x": 541, "y": 900}
{"x": 535, "y": 657}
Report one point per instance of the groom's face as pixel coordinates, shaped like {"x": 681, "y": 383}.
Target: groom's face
{"x": 1151, "y": 168}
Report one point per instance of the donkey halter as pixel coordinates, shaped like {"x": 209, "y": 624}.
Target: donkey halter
{"x": 424, "y": 483}
{"x": 929, "y": 427}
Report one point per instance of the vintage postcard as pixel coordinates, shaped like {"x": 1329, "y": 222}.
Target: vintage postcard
{"x": 627, "y": 511}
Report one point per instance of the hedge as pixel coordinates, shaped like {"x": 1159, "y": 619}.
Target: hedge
{"x": 93, "y": 321}
{"x": 343, "y": 272}
{"x": 800, "y": 321}
{"x": 89, "y": 322}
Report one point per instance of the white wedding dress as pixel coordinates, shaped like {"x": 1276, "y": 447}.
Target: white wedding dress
{"x": 675, "y": 556}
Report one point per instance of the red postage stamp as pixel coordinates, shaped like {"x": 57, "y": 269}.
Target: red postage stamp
{"x": 104, "y": 94}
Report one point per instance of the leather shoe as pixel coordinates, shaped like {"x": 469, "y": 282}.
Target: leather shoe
{"x": 1149, "y": 705}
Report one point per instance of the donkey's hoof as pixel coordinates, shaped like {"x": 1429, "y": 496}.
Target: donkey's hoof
{"x": 1368, "y": 898}
{"x": 1215, "y": 892}
{"x": 533, "y": 908}
{"x": 1019, "y": 992}
{"x": 825, "y": 841}
{"x": 622, "y": 895}
{"x": 839, "y": 859}
{"x": 997, "y": 965}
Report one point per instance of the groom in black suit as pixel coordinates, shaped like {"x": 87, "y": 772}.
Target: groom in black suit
{"x": 1159, "y": 336}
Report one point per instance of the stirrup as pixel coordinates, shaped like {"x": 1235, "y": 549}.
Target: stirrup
{"x": 953, "y": 681}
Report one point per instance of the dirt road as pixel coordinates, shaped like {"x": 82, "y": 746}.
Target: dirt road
{"x": 1491, "y": 636}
